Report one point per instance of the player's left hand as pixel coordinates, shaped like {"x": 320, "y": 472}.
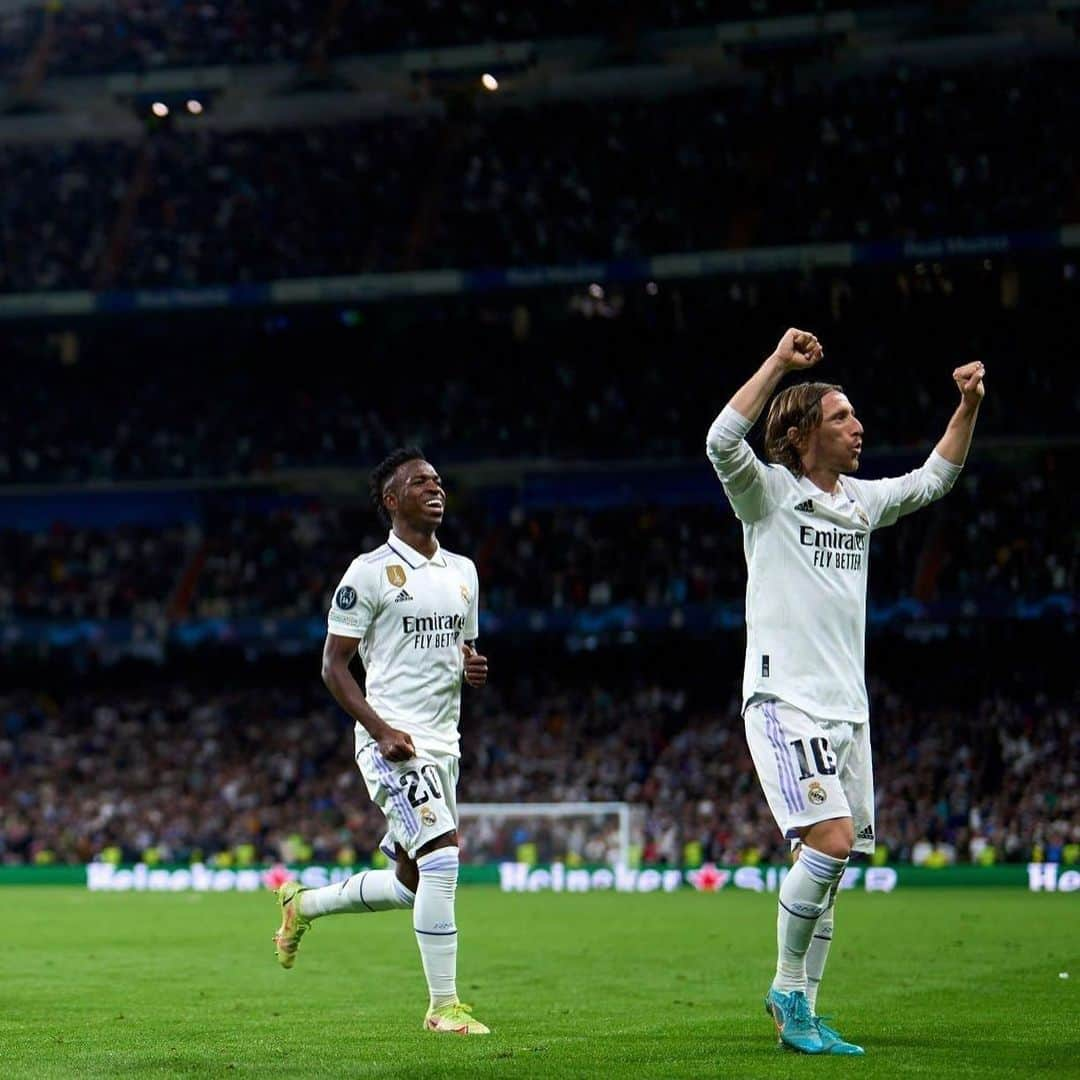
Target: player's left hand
{"x": 476, "y": 667}
{"x": 969, "y": 380}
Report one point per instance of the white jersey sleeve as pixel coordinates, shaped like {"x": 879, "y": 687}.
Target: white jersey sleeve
{"x": 753, "y": 488}
{"x": 888, "y": 500}
{"x": 355, "y": 603}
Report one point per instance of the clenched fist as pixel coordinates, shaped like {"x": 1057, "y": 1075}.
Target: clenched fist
{"x": 395, "y": 745}
{"x": 798, "y": 350}
{"x": 969, "y": 380}
{"x": 476, "y": 667}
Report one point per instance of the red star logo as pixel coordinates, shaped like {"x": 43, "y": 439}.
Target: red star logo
{"x": 708, "y": 878}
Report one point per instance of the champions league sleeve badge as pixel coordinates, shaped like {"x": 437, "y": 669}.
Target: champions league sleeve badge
{"x": 346, "y": 597}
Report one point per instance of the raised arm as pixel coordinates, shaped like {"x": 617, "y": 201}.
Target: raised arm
{"x": 895, "y": 497}
{"x": 797, "y": 350}
{"x": 955, "y": 443}
{"x": 746, "y": 480}
{"x": 338, "y": 651}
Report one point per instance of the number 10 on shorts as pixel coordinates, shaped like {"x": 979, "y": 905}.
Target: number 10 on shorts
{"x": 824, "y": 759}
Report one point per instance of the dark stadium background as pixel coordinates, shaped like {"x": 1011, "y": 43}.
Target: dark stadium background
{"x": 247, "y": 249}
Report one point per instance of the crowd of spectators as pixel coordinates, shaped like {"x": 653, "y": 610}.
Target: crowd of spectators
{"x": 144, "y": 35}
{"x": 279, "y": 203}
{"x": 1004, "y": 532}
{"x": 899, "y": 155}
{"x": 267, "y": 564}
{"x": 57, "y": 209}
{"x": 382, "y": 25}
{"x": 69, "y": 574}
{"x": 147, "y": 35}
{"x": 173, "y": 774}
{"x": 527, "y": 378}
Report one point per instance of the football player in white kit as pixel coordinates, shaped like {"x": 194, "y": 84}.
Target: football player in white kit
{"x": 410, "y": 609}
{"x": 806, "y": 528}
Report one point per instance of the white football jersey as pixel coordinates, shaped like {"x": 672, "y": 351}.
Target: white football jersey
{"x": 807, "y": 557}
{"x": 410, "y": 615}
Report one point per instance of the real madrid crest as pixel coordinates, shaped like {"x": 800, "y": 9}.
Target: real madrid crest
{"x": 396, "y": 575}
{"x": 816, "y": 793}
{"x": 427, "y": 816}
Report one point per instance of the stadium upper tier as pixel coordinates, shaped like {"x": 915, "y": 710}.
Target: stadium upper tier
{"x": 899, "y": 155}
{"x": 177, "y": 773}
{"x": 80, "y": 38}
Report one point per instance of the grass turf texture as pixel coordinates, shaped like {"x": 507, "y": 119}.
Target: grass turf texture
{"x": 934, "y": 983}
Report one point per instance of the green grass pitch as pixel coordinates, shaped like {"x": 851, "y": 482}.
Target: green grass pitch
{"x": 933, "y": 982}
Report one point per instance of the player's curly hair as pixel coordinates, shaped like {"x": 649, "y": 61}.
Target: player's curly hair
{"x": 799, "y": 407}
{"x": 384, "y": 471}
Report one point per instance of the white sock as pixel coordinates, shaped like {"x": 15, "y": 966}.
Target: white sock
{"x": 433, "y": 921}
{"x": 370, "y": 890}
{"x": 803, "y": 899}
{"x": 818, "y": 952}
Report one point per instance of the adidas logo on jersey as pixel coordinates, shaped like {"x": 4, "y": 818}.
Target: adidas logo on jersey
{"x": 402, "y": 597}
{"x": 806, "y": 507}
{"x": 866, "y": 833}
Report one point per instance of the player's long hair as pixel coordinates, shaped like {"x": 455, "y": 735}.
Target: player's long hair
{"x": 384, "y": 470}
{"x": 799, "y": 407}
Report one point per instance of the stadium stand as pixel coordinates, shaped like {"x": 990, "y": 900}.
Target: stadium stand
{"x": 645, "y": 382}
{"x": 901, "y": 154}
{"x": 179, "y": 492}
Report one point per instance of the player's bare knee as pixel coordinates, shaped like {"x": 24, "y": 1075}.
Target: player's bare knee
{"x": 833, "y": 838}
{"x": 839, "y": 842}
{"x": 838, "y": 848}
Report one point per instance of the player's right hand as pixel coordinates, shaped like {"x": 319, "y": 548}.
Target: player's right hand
{"x": 969, "y": 380}
{"x": 798, "y": 350}
{"x": 396, "y": 745}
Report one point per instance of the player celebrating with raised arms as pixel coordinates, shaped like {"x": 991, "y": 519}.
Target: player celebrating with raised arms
{"x": 410, "y": 608}
{"x": 806, "y": 529}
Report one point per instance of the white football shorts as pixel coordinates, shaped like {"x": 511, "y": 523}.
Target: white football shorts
{"x": 812, "y": 770}
{"x": 418, "y": 796}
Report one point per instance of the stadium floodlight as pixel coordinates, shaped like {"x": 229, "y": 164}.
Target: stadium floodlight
{"x": 489, "y": 82}
{"x": 160, "y": 109}
{"x": 608, "y": 825}
{"x": 596, "y": 291}
{"x": 194, "y": 106}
